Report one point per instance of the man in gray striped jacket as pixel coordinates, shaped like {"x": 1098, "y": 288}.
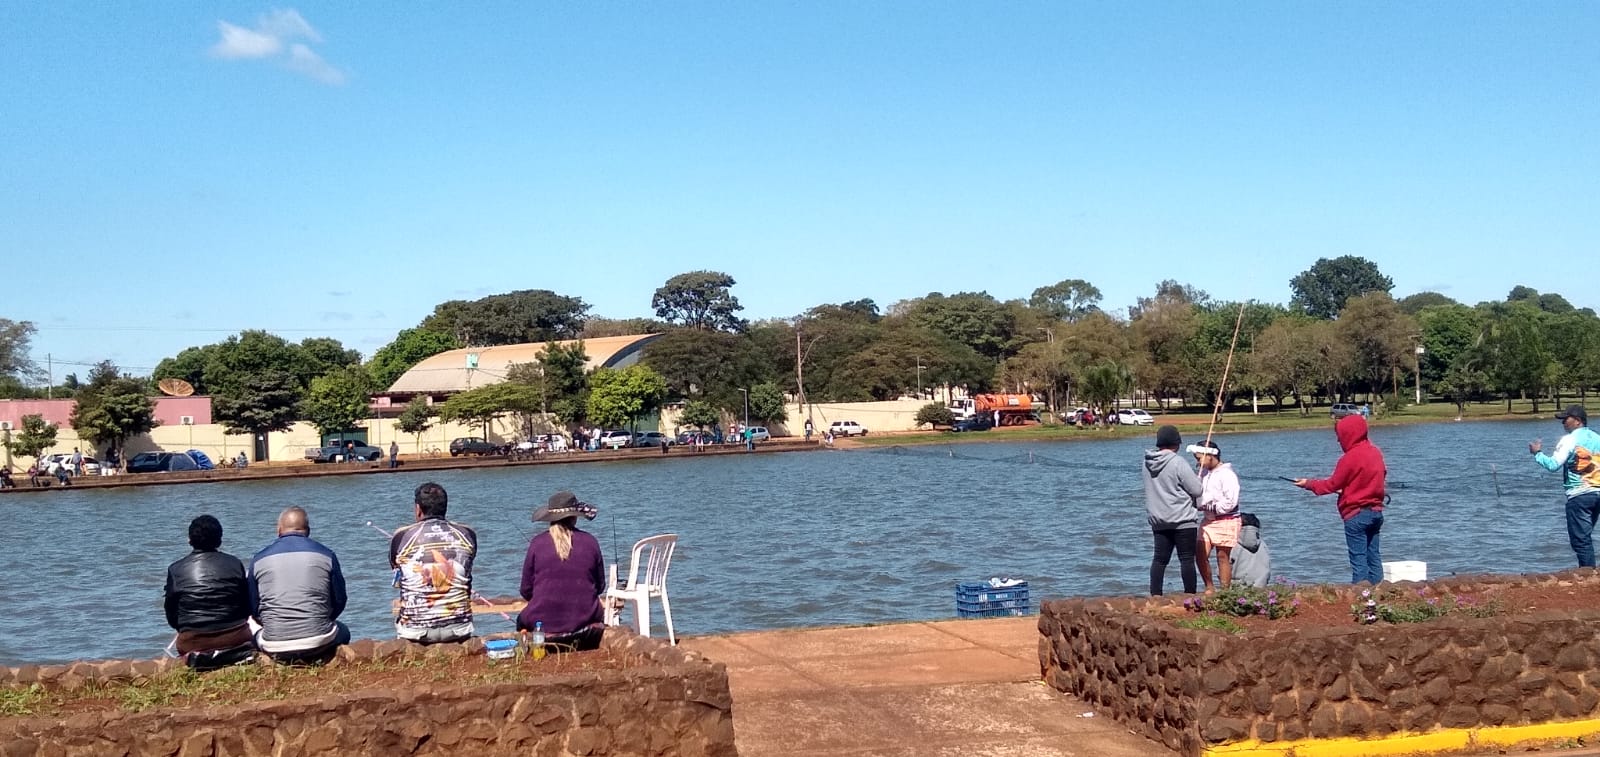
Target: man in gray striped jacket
{"x": 296, "y": 594}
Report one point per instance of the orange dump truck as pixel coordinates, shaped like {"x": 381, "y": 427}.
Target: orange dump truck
{"x": 1002, "y": 409}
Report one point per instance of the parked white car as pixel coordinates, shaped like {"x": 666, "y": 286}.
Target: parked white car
{"x": 91, "y": 466}
{"x": 1132, "y": 416}
{"x": 847, "y": 428}
{"x": 616, "y": 439}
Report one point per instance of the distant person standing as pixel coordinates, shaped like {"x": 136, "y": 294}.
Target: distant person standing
{"x": 1170, "y": 491}
{"x": 77, "y": 462}
{"x": 809, "y": 429}
{"x": 1574, "y": 456}
{"x": 394, "y": 454}
{"x": 1359, "y": 477}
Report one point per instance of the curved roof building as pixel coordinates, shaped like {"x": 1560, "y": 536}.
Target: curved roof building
{"x": 460, "y": 370}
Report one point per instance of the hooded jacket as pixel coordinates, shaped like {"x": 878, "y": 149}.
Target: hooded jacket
{"x": 1170, "y": 490}
{"x": 1359, "y": 475}
{"x": 1220, "y": 492}
{"x": 1252, "y": 561}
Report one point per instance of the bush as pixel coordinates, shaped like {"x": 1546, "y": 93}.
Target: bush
{"x": 1273, "y": 602}
{"x": 935, "y": 415}
{"x": 1392, "y": 605}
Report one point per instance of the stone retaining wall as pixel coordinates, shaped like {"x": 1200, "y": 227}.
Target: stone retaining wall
{"x": 675, "y": 703}
{"x": 1194, "y": 689}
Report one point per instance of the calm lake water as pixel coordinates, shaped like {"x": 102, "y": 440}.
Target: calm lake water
{"x": 772, "y": 541}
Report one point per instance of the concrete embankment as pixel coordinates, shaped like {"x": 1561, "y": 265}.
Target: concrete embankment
{"x": 407, "y": 465}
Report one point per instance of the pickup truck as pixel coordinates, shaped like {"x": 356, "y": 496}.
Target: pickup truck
{"x": 334, "y": 453}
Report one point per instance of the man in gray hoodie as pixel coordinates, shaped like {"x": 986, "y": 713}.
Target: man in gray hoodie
{"x": 1170, "y": 491}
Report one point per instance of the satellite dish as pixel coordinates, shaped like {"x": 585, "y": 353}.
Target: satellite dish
{"x": 175, "y": 387}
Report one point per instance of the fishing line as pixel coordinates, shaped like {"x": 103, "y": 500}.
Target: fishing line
{"x": 1216, "y": 408}
{"x": 475, "y": 594}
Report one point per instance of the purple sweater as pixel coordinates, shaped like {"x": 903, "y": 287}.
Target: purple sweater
{"x": 562, "y": 594}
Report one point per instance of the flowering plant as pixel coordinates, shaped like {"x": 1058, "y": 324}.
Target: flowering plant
{"x": 1392, "y": 604}
{"x": 1276, "y": 600}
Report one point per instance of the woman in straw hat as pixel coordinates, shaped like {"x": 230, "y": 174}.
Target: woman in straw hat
{"x": 562, "y": 577}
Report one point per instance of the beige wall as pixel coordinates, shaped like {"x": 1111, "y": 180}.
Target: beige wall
{"x": 894, "y": 415}
{"x": 290, "y": 445}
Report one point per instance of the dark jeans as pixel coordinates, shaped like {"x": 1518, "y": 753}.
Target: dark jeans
{"x": 1361, "y": 536}
{"x": 1168, "y": 539}
{"x": 1582, "y": 511}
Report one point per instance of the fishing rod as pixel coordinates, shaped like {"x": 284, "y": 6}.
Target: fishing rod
{"x": 475, "y": 594}
{"x": 1227, "y": 367}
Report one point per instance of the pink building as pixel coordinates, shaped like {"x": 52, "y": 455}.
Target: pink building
{"x": 170, "y": 411}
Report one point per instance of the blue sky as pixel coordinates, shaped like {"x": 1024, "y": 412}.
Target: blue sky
{"x": 172, "y": 173}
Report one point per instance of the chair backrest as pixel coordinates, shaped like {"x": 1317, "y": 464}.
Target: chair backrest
{"x": 654, "y": 554}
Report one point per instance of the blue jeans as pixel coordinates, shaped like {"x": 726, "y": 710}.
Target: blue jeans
{"x": 1582, "y": 511}
{"x": 1361, "y": 536}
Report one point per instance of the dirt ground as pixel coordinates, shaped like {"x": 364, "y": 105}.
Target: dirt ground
{"x": 1323, "y": 607}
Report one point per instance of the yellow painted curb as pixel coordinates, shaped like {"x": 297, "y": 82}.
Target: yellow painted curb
{"x": 1433, "y": 742}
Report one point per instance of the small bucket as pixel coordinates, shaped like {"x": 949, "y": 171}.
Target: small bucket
{"x": 500, "y": 649}
{"x": 1405, "y": 570}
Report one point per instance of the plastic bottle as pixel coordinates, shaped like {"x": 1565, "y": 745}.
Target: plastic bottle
{"x": 537, "y": 641}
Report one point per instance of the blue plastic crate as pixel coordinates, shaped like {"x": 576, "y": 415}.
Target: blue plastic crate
{"x": 985, "y": 601}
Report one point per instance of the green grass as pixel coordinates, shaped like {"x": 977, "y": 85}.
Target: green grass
{"x": 20, "y": 701}
{"x": 1238, "y": 421}
{"x": 1211, "y": 623}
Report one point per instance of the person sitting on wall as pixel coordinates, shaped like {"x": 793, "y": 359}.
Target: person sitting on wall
{"x": 63, "y": 473}
{"x": 33, "y": 475}
{"x": 297, "y": 594}
{"x": 241, "y": 461}
{"x": 432, "y": 563}
{"x": 5, "y": 479}
{"x": 1252, "y": 561}
{"x": 563, "y": 575}
{"x": 208, "y": 600}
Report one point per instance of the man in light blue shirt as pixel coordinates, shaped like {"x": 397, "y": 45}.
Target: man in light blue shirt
{"x": 1573, "y": 456}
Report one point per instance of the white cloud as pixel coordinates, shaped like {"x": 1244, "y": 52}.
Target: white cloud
{"x": 306, "y": 61}
{"x": 273, "y": 37}
{"x": 244, "y": 43}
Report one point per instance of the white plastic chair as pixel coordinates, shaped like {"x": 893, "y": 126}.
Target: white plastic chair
{"x": 654, "y": 554}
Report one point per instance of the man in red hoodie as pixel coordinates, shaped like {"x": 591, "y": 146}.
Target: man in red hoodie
{"x": 1358, "y": 477}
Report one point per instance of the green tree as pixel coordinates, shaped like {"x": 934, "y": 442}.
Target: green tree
{"x": 416, "y": 419}
{"x": 1449, "y": 334}
{"x": 1102, "y": 384}
{"x": 1461, "y": 382}
{"x": 1382, "y": 337}
{"x": 486, "y": 403}
{"x": 15, "y": 338}
{"x": 934, "y": 415}
{"x": 1066, "y": 300}
{"x": 565, "y": 369}
{"x": 887, "y": 368}
{"x": 1321, "y": 290}
{"x": 699, "y": 299}
{"x": 767, "y": 404}
{"x": 339, "y": 401}
{"x": 189, "y": 365}
{"x": 699, "y": 413}
{"x": 320, "y": 356}
{"x": 1516, "y": 356}
{"x": 526, "y": 315}
{"x": 1166, "y": 333}
{"x": 33, "y": 438}
{"x": 1283, "y": 361}
{"x": 410, "y": 346}
{"x": 617, "y": 397}
{"x": 1414, "y": 304}
{"x": 599, "y": 328}
{"x": 709, "y": 365}
{"x": 974, "y": 319}
{"x": 259, "y": 402}
{"x": 111, "y": 408}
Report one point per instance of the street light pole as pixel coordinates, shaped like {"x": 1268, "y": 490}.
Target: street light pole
{"x": 919, "y": 377}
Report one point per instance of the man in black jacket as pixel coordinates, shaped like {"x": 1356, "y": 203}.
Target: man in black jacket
{"x": 207, "y": 597}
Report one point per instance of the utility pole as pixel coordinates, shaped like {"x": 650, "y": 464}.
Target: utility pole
{"x": 1050, "y": 337}
{"x": 800, "y": 372}
{"x": 919, "y": 377}
{"x": 50, "y": 376}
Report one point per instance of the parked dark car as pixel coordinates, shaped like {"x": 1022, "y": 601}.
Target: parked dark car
{"x": 161, "y": 462}
{"x": 337, "y": 452}
{"x": 471, "y": 445}
{"x": 981, "y": 422}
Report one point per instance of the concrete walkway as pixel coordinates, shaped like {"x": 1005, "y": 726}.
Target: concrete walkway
{"x": 958, "y": 687}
